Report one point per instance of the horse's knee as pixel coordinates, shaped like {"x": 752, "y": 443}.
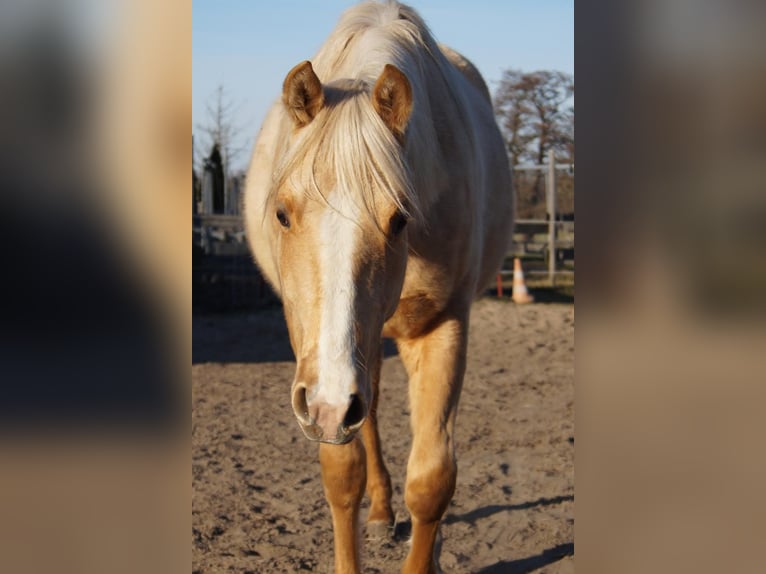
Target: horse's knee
{"x": 429, "y": 489}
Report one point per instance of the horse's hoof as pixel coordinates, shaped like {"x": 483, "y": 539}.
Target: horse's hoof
{"x": 379, "y": 530}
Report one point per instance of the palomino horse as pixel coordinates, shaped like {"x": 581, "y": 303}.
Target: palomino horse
{"x": 378, "y": 204}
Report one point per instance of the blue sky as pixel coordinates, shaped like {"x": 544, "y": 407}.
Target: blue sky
{"x": 248, "y": 46}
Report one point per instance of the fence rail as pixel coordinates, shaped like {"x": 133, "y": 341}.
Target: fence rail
{"x": 223, "y": 272}
{"x": 550, "y": 239}
{"x": 225, "y": 275}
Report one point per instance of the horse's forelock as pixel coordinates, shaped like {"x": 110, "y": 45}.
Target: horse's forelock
{"x": 364, "y": 158}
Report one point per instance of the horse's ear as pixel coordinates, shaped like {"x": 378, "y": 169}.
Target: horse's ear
{"x": 302, "y": 94}
{"x": 392, "y": 99}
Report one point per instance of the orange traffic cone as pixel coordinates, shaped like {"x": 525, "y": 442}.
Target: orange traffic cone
{"x": 520, "y": 293}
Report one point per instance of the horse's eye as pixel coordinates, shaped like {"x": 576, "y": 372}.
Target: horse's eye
{"x": 282, "y": 218}
{"x": 398, "y": 223}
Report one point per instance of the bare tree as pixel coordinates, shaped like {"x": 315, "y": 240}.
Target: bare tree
{"x": 530, "y": 107}
{"x": 512, "y": 108}
{"x": 549, "y": 92}
{"x": 533, "y": 114}
{"x": 219, "y": 130}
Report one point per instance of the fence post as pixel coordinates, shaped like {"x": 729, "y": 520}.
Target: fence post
{"x": 551, "y": 196}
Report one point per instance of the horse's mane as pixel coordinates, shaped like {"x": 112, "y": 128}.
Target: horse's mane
{"x": 367, "y": 37}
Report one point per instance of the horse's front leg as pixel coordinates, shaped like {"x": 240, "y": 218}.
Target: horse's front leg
{"x": 344, "y": 475}
{"x": 436, "y": 365}
{"x": 380, "y": 519}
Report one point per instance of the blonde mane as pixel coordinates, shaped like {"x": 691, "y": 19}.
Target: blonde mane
{"x": 349, "y": 137}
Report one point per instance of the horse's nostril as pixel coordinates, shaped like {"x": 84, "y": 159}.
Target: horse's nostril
{"x": 300, "y": 405}
{"x": 355, "y": 413}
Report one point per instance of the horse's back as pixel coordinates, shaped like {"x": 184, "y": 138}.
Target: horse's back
{"x": 469, "y": 71}
{"x": 491, "y": 184}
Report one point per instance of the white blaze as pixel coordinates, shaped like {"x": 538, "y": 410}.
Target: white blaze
{"x": 339, "y": 236}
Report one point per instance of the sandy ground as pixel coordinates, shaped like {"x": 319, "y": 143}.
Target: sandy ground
{"x": 258, "y": 505}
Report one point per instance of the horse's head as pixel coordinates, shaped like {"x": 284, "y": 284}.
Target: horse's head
{"x": 340, "y": 207}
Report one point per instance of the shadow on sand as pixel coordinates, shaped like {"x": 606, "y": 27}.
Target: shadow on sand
{"x": 486, "y": 511}
{"x": 256, "y": 336}
{"x": 532, "y": 563}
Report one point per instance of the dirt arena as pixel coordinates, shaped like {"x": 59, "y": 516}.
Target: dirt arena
{"x": 258, "y": 505}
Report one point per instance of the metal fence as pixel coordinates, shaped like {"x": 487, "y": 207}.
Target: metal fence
{"x": 226, "y": 278}
{"x": 224, "y": 275}
{"x": 544, "y": 229}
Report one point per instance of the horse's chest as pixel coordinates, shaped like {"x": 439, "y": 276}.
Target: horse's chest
{"x": 413, "y": 315}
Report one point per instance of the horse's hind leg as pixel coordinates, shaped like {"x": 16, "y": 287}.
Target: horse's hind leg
{"x": 380, "y": 518}
{"x": 435, "y": 363}
{"x": 343, "y": 476}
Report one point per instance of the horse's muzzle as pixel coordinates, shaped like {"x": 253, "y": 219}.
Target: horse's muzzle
{"x": 323, "y": 422}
